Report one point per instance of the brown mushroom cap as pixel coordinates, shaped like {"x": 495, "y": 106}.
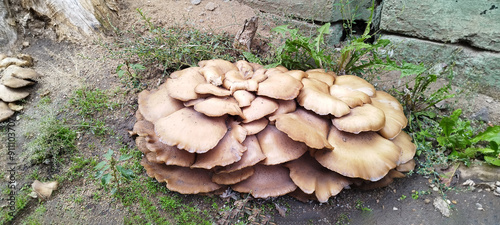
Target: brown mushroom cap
{"x": 260, "y": 75}
{"x": 157, "y": 104}
{"x": 395, "y": 119}
{"x": 11, "y": 95}
{"x": 355, "y": 83}
{"x": 315, "y": 96}
{"x": 169, "y": 155}
{"x": 234, "y": 81}
{"x": 182, "y": 84}
{"x": 13, "y": 82}
{"x": 255, "y": 126}
{"x": 5, "y": 111}
{"x": 250, "y": 157}
{"x": 267, "y": 181}
{"x": 278, "y": 147}
{"x": 141, "y": 142}
{"x": 13, "y": 61}
{"x": 218, "y": 106}
{"x": 360, "y": 119}
{"x": 408, "y": 148}
{"x": 351, "y": 97}
{"x": 285, "y": 106}
{"x": 223, "y": 65}
{"x": 243, "y": 97}
{"x": 311, "y": 177}
{"x": 143, "y": 128}
{"x": 321, "y": 75}
{"x": 21, "y": 73}
{"x": 245, "y": 68}
{"x": 211, "y": 89}
{"x": 233, "y": 177}
{"x": 384, "y": 182}
{"x": 276, "y": 70}
{"x": 305, "y": 126}
{"x": 213, "y": 75}
{"x": 280, "y": 86}
{"x": 190, "y": 130}
{"x": 260, "y": 107}
{"x": 181, "y": 179}
{"x": 366, "y": 155}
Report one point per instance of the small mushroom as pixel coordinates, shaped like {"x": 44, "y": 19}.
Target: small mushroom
{"x": 5, "y": 111}
{"x": 250, "y": 157}
{"x": 235, "y": 81}
{"x": 255, "y": 126}
{"x": 218, "y": 106}
{"x": 280, "y": 86}
{"x": 360, "y": 119}
{"x": 407, "y": 166}
{"x": 141, "y": 142}
{"x": 408, "y": 148}
{"x": 21, "y": 72}
{"x": 13, "y": 61}
{"x": 243, "y": 97}
{"x": 190, "y": 130}
{"x": 395, "y": 119}
{"x": 315, "y": 96}
{"x": 182, "y": 84}
{"x": 223, "y": 65}
{"x": 285, "y": 106}
{"x": 212, "y": 90}
{"x": 213, "y": 75}
{"x": 245, "y": 68}
{"x": 157, "y": 104}
{"x": 260, "y": 107}
{"x": 13, "y": 82}
{"x": 278, "y": 147}
{"x": 351, "y": 97}
{"x": 384, "y": 182}
{"x": 267, "y": 181}
{"x": 321, "y": 75}
{"x": 169, "y": 155}
{"x": 355, "y": 83}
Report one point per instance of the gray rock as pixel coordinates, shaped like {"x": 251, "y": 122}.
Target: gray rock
{"x": 195, "y": 2}
{"x": 483, "y": 172}
{"x": 442, "y": 206}
{"x": 445, "y": 21}
{"x": 473, "y": 69}
{"x": 483, "y": 115}
{"x": 210, "y": 6}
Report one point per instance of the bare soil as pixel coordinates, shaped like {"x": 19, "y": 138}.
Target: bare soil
{"x": 66, "y": 67}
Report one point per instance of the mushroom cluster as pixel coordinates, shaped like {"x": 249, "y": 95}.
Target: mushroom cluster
{"x": 269, "y": 131}
{"x": 13, "y": 80}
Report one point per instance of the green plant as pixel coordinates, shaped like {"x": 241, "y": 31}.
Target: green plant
{"x": 91, "y": 103}
{"x": 360, "y": 206}
{"x": 111, "y": 173}
{"x": 130, "y": 73}
{"x": 414, "y": 195}
{"x": 403, "y": 197}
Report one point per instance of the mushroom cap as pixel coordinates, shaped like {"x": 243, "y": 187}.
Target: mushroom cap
{"x": 212, "y": 90}
{"x": 276, "y": 70}
{"x": 255, "y": 126}
{"x": 267, "y": 181}
{"x": 285, "y": 106}
{"x": 365, "y": 155}
{"x": 13, "y": 61}
{"x": 384, "y": 182}
{"x": 260, "y": 107}
{"x": 11, "y": 95}
{"x": 157, "y": 104}
{"x": 218, "y": 106}
{"x": 315, "y": 96}
{"x": 227, "y": 151}
{"x": 44, "y": 189}
{"x": 13, "y": 82}
{"x": 321, "y": 75}
{"x": 395, "y": 118}
{"x": 408, "y": 148}
{"x": 305, "y": 126}
{"x": 351, "y": 97}
{"x": 407, "y": 166}
{"x": 243, "y": 97}
{"x": 5, "y": 111}
{"x": 245, "y": 68}
{"x": 250, "y": 157}
{"x": 182, "y": 84}
{"x": 223, "y": 65}
{"x": 234, "y": 81}
{"x": 233, "y": 177}
{"x": 360, "y": 119}
{"x": 213, "y": 75}
{"x": 190, "y": 130}
{"x": 169, "y": 155}
{"x": 21, "y": 73}
{"x": 280, "y": 86}
{"x": 311, "y": 177}
{"x": 259, "y": 75}
{"x": 278, "y": 147}
{"x": 143, "y": 128}
{"x": 181, "y": 179}
{"x": 141, "y": 142}
{"x": 355, "y": 83}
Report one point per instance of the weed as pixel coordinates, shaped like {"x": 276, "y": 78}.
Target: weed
{"x": 360, "y": 206}
{"x": 90, "y": 103}
{"x": 403, "y": 197}
{"x": 342, "y": 219}
{"x": 111, "y": 173}
{"x": 414, "y": 195}
{"x": 36, "y": 216}
{"x": 22, "y": 199}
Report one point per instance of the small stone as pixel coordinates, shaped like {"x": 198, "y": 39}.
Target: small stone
{"x": 435, "y": 189}
{"x": 442, "y": 206}
{"x": 469, "y": 182}
{"x": 394, "y": 208}
{"x": 427, "y": 201}
{"x": 195, "y": 2}
{"x": 479, "y": 207}
{"x": 210, "y": 6}
{"x": 454, "y": 202}
{"x": 201, "y": 20}
{"x": 497, "y": 183}
{"x": 26, "y": 44}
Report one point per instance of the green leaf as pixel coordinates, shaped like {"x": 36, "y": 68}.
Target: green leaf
{"x": 126, "y": 173}
{"x": 325, "y": 29}
{"x": 490, "y": 134}
{"x": 106, "y": 179}
{"x": 448, "y": 123}
{"x": 125, "y": 157}
{"x": 492, "y": 160}
{"x": 250, "y": 57}
{"x": 100, "y": 165}
{"x": 108, "y": 155}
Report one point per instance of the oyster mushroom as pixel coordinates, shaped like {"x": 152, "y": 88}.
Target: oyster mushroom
{"x": 267, "y": 181}
{"x": 5, "y": 111}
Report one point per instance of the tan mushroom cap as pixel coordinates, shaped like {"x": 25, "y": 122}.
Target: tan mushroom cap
{"x": 193, "y": 102}
{"x": 255, "y": 126}
{"x": 243, "y": 97}
{"x": 311, "y": 177}
{"x": 285, "y": 106}
{"x": 181, "y": 179}
{"x": 407, "y": 166}
{"x": 267, "y": 181}
{"x": 141, "y": 142}
{"x": 276, "y": 70}
{"x": 213, "y": 75}
{"x": 355, "y": 83}
{"x": 218, "y": 106}
{"x": 408, "y": 148}
{"x": 190, "y": 130}
{"x": 234, "y": 81}
{"x": 233, "y": 177}
{"x": 250, "y": 157}
{"x": 305, "y": 126}
{"x": 260, "y": 107}
{"x": 351, "y": 97}
{"x": 169, "y": 155}
{"x": 13, "y": 61}
{"x": 360, "y": 119}
{"x": 315, "y": 96}
{"x": 143, "y": 128}
{"x": 260, "y": 75}
{"x": 228, "y": 151}
{"x": 278, "y": 147}
{"x": 223, "y": 65}
{"x": 384, "y": 182}
{"x": 395, "y": 119}
{"x": 280, "y": 86}
{"x": 321, "y": 75}
{"x": 157, "y": 104}
{"x": 11, "y": 95}
{"x": 211, "y": 90}
{"x": 245, "y": 68}
{"x": 5, "y": 111}
{"x": 366, "y": 155}
{"x": 182, "y": 84}
{"x": 44, "y": 189}
{"x": 21, "y": 73}
{"x": 13, "y": 82}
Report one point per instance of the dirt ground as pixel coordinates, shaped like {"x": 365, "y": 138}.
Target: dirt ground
{"x": 66, "y": 66}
